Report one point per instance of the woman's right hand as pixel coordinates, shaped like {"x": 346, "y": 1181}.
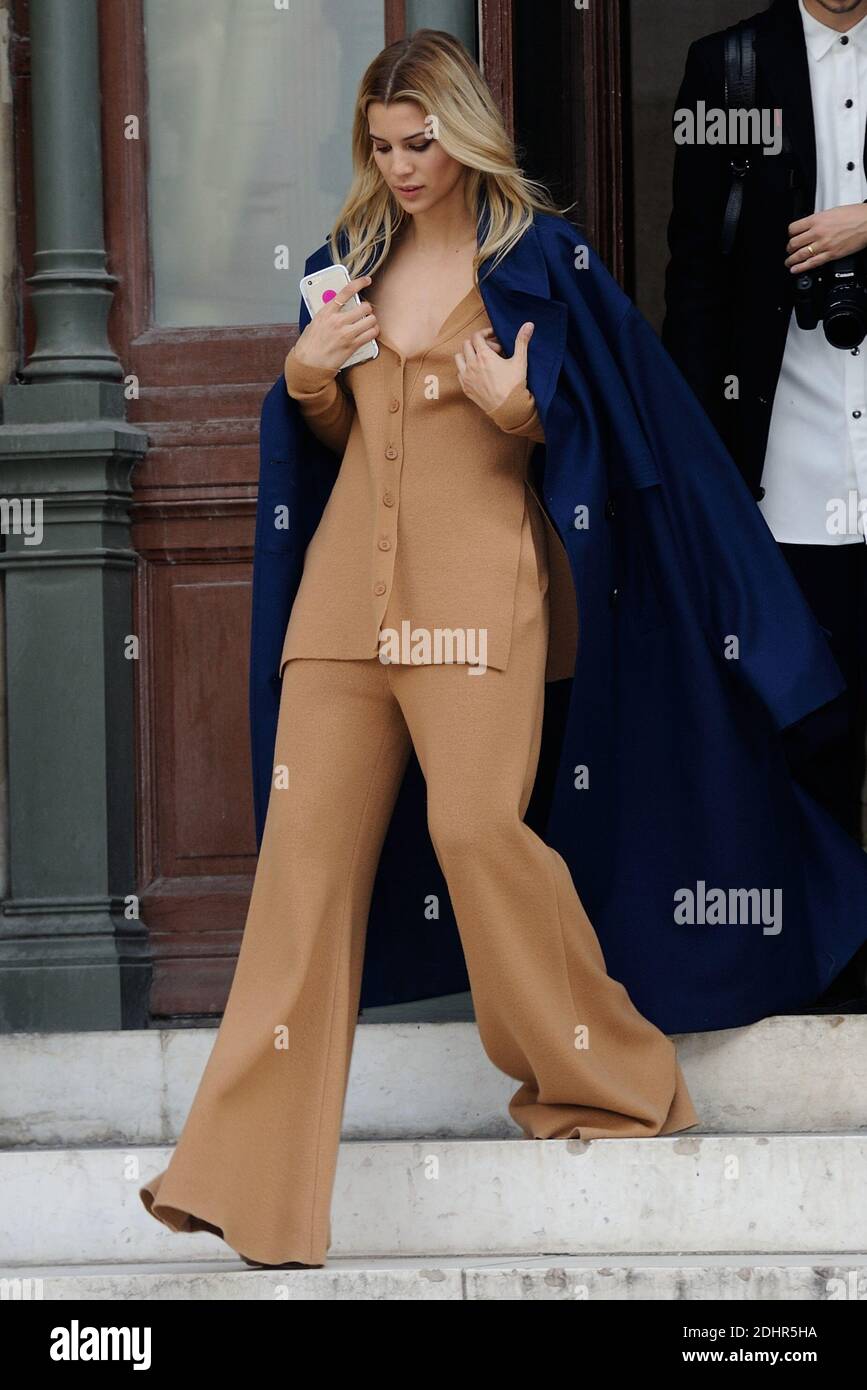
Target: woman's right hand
{"x": 334, "y": 333}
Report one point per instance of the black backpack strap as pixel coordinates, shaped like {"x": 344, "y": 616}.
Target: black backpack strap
{"x": 740, "y": 92}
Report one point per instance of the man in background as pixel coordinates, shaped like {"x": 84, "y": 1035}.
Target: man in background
{"x": 790, "y": 405}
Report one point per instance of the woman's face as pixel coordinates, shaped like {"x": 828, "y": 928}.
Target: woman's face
{"x": 416, "y": 168}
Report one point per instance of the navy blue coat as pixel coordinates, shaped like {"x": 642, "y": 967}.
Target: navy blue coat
{"x": 677, "y": 725}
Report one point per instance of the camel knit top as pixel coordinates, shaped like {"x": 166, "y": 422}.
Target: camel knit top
{"x": 423, "y": 524}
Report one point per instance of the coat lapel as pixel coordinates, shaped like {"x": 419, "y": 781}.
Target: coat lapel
{"x": 518, "y": 291}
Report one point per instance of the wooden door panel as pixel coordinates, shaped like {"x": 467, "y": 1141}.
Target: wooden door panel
{"x": 196, "y": 822}
{"x": 197, "y": 392}
{"x": 205, "y": 823}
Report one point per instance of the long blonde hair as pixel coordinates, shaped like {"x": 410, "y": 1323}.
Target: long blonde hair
{"x": 432, "y": 68}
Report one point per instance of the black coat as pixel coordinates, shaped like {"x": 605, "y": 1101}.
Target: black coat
{"x": 729, "y": 315}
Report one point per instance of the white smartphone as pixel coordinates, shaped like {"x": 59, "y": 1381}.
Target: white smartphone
{"x": 320, "y": 287}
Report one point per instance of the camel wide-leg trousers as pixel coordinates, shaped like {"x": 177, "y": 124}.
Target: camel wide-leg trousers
{"x": 257, "y": 1158}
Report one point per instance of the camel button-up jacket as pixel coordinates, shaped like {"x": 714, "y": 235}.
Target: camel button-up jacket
{"x": 423, "y": 524}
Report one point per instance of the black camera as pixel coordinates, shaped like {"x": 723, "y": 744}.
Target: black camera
{"x": 836, "y": 295}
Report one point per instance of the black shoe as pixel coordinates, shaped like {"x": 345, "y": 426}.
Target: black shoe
{"x": 857, "y": 1005}
{"x": 290, "y": 1264}
{"x": 834, "y": 1001}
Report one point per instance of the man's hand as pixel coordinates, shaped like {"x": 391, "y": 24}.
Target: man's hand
{"x": 485, "y": 376}
{"x": 826, "y": 236}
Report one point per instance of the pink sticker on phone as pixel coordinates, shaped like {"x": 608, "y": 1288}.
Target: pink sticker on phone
{"x": 328, "y": 295}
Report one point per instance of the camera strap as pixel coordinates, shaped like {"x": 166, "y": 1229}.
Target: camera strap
{"x": 740, "y": 92}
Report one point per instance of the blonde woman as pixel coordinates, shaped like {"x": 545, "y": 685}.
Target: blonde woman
{"x": 433, "y": 525}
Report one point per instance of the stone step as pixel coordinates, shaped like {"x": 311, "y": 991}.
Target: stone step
{"x": 804, "y": 1073}
{"x": 689, "y": 1194}
{"x": 822, "y": 1278}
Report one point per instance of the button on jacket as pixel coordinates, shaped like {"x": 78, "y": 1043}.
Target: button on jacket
{"x": 424, "y": 521}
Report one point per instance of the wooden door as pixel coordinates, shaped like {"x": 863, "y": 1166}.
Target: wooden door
{"x": 225, "y": 138}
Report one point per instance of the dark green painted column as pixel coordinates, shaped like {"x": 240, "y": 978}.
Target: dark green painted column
{"x": 73, "y": 952}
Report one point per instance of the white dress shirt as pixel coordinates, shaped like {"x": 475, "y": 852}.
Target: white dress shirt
{"x": 815, "y": 472}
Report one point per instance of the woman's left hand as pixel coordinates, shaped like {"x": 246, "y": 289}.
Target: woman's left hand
{"x": 485, "y": 376}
